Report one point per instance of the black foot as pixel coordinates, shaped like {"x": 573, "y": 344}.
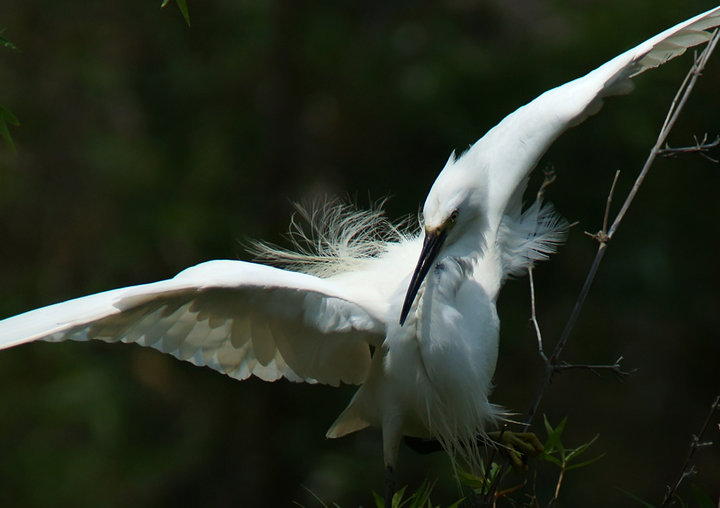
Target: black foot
{"x": 517, "y": 446}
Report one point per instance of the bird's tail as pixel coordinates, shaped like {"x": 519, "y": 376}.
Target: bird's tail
{"x": 349, "y": 421}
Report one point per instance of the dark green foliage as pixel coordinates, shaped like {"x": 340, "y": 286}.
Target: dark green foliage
{"x": 6, "y": 43}
{"x": 531, "y": 488}
{"x": 6, "y": 117}
{"x": 182, "y": 5}
{"x": 555, "y": 451}
{"x": 418, "y": 499}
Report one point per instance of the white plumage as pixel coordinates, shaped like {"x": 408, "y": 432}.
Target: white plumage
{"x": 429, "y": 376}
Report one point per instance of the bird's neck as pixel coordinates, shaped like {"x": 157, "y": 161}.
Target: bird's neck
{"x": 478, "y": 248}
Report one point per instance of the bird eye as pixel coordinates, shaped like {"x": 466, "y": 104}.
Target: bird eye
{"x": 453, "y": 216}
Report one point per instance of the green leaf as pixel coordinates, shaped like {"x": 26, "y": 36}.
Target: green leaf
{"x": 379, "y": 501}
{"x": 6, "y": 117}
{"x": 422, "y": 495}
{"x": 548, "y": 427}
{"x": 5, "y": 133}
{"x": 585, "y": 463}
{"x": 550, "y": 458}
{"x": 322, "y": 503}
{"x": 701, "y": 498}
{"x": 580, "y": 449}
{"x": 397, "y": 498}
{"x": 482, "y": 481}
{"x": 6, "y": 43}
{"x": 471, "y": 480}
{"x": 182, "y": 5}
{"x": 554, "y": 436}
{"x": 9, "y": 117}
{"x": 635, "y": 498}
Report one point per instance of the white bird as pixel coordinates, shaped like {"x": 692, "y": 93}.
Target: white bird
{"x": 409, "y": 318}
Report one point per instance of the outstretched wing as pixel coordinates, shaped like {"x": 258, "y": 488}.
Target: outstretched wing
{"x": 235, "y": 317}
{"x": 516, "y": 144}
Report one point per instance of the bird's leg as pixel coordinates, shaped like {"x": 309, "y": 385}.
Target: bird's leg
{"x": 389, "y": 486}
{"x": 390, "y": 461}
{"x": 517, "y": 446}
{"x": 392, "y": 435}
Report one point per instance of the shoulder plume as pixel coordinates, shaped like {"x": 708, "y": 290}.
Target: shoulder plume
{"x": 329, "y": 237}
{"x": 530, "y": 236}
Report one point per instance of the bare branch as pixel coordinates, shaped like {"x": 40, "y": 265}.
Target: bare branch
{"x": 706, "y": 156}
{"x": 687, "y": 470}
{"x": 609, "y": 200}
{"x": 676, "y": 107}
{"x": 602, "y": 236}
{"x": 613, "y": 368}
{"x": 533, "y": 317}
{"x": 549, "y": 178}
{"x": 701, "y": 146}
{"x": 552, "y": 362}
{"x": 561, "y": 476}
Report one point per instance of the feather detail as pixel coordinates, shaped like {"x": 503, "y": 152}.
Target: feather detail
{"x": 529, "y": 236}
{"x": 329, "y": 237}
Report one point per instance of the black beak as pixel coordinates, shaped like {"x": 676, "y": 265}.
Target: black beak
{"x": 431, "y": 247}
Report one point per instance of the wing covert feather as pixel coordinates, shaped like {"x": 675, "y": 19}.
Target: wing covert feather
{"x": 238, "y": 318}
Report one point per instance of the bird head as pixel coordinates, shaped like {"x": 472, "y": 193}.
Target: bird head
{"x": 453, "y": 205}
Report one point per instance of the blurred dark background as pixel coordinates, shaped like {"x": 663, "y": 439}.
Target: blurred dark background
{"x": 147, "y": 146}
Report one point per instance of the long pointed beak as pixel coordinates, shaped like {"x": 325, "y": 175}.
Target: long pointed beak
{"x": 431, "y": 248}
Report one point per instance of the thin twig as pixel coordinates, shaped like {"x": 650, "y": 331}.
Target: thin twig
{"x": 711, "y": 159}
{"x": 613, "y": 368}
{"x": 687, "y": 469}
{"x": 601, "y": 236}
{"x": 676, "y": 107}
{"x": 557, "y": 487}
{"x": 699, "y": 146}
{"x": 549, "y": 178}
{"x": 488, "y": 471}
{"x": 533, "y": 316}
{"x": 609, "y": 200}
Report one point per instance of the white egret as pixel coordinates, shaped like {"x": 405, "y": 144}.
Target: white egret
{"x": 409, "y": 318}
